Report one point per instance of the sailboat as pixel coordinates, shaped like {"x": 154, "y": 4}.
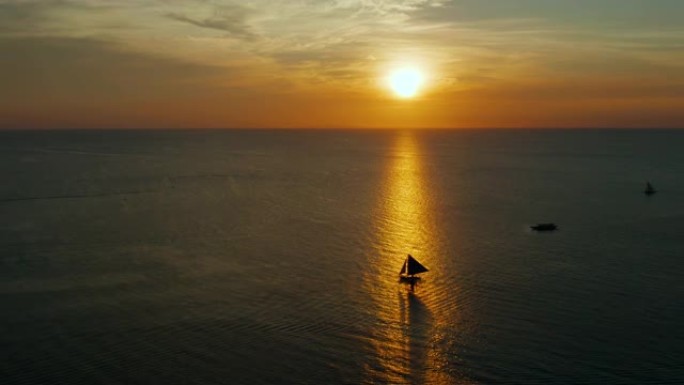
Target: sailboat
{"x": 410, "y": 270}
{"x": 649, "y": 189}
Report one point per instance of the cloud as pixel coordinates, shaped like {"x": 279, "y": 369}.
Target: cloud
{"x": 85, "y": 69}
{"x": 86, "y": 82}
{"x": 228, "y": 18}
{"x": 15, "y": 17}
{"x": 124, "y": 52}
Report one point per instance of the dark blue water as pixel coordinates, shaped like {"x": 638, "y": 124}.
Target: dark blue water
{"x": 272, "y": 257}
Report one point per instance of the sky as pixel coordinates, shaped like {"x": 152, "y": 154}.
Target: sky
{"x": 325, "y": 63}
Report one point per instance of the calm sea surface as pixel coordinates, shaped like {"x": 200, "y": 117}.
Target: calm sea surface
{"x": 272, "y": 257}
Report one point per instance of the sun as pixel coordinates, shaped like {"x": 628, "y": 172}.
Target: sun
{"x": 406, "y": 82}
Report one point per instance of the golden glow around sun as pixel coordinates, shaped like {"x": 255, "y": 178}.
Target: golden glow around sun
{"x": 406, "y": 82}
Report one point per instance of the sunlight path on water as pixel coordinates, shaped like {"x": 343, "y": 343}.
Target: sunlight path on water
{"x": 406, "y": 337}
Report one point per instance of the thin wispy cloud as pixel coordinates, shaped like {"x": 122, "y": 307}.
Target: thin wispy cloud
{"x": 230, "y": 18}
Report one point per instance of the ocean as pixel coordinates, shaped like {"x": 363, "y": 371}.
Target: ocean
{"x": 272, "y": 257}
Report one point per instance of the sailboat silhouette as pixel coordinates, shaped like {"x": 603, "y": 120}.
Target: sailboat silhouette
{"x": 649, "y": 189}
{"x": 410, "y": 270}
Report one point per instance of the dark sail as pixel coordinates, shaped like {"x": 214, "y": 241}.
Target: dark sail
{"x": 403, "y": 268}
{"x": 649, "y": 189}
{"x": 411, "y": 266}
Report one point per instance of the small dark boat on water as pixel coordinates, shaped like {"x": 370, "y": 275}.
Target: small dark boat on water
{"x": 410, "y": 270}
{"x": 649, "y": 189}
{"x": 544, "y": 227}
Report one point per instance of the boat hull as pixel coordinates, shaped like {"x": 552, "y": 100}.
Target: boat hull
{"x": 408, "y": 279}
{"x": 544, "y": 227}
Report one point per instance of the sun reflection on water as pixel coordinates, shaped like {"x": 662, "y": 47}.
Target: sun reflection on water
{"x": 404, "y": 337}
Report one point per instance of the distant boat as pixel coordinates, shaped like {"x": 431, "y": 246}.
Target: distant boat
{"x": 649, "y": 189}
{"x": 545, "y": 227}
{"x": 410, "y": 270}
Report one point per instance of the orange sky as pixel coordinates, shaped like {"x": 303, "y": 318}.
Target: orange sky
{"x": 323, "y": 64}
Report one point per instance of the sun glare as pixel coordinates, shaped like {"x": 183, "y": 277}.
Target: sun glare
{"x": 406, "y": 82}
